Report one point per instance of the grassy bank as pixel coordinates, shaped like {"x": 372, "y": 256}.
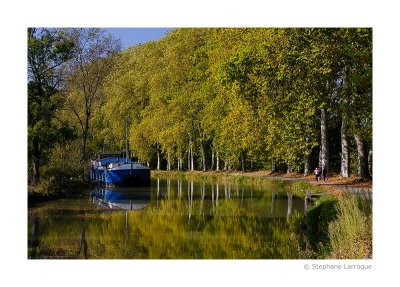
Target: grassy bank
{"x": 341, "y": 227}
{"x": 55, "y": 188}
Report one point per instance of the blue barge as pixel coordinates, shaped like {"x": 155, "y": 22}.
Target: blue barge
{"x": 115, "y": 170}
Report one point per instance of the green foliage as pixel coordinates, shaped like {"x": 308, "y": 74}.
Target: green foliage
{"x": 350, "y": 234}
{"x": 246, "y": 94}
{"x": 249, "y": 96}
{"x": 48, "y": 50}
{"x": 87, "y": 71}
{"x": 61, "y": 176}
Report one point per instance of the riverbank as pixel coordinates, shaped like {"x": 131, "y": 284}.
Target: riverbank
{"x": 48, "y": 190}
{"x": 334, "y": 185}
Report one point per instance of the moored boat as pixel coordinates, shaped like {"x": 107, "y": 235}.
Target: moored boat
{"x": 113, "y": 169}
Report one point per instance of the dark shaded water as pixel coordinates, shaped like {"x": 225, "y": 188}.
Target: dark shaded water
{"x": 173, "y": 219}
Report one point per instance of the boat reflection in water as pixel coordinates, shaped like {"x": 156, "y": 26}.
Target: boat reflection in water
{"x": 128, "y": 198}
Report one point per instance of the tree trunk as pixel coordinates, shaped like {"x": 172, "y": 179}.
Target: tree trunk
{"x": 83, "y": 147}
{"x": 324, "y": 141}
{"x": 83, "y": 153}
{"x": 212, "y": 160}
{"x": 345, "y": 163}
{"x": 36, "y": 170}
{"x": 203, "y": 157}
{"x": 179, "y": 164}
{"x": 273, "y": 166}
{"x": 127, "y": 148}
{"x": 243, "y": 162}
{"x": 158, "y": 157}
{"x": 189, "y": 165}
{"x": 36, "y": 162}
{"x": 191, "y": 157}
{"x": 362, "y": 157}
{"x": 370, "y": 162}
{"x": 289, "y": 168}
{"x": 168, "y": 162}
{"x": 85, "y": 131}
{"x": 217, "y": 167}
{"x": 307, "y": 164}
{"x": 320, "y": 157}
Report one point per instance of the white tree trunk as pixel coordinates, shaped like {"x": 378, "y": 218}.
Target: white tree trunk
{"x": 273, "y": 166}
{"x": 189, "y": 165}
{"x": 324, "y": 141}
{"x": 345, "y": 163}
{"x": 289, "y": 168}
{"x": 203, "y": 158}
{"x": 158, "y": 158}
{"x": 217, "y": 168}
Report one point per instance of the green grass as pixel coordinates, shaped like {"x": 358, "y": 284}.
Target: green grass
{"x": 351, "y": 232}
{"x": 341, "y": 227}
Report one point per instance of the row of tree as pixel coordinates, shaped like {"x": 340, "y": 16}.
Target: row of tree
{"x": 255, "y": 98}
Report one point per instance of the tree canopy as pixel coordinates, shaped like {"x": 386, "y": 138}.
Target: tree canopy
{"x": 244, "y": 97}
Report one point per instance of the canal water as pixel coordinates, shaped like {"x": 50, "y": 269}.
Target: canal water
{"x": 171, "y": 219}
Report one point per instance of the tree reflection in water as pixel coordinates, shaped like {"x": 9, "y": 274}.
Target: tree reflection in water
{"x": 83, "y": 243}
{"x": 33, "y": 242}
{"x": 248, "y": 223}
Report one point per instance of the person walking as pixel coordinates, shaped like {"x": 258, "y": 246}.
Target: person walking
{"x": 316, "y": 174}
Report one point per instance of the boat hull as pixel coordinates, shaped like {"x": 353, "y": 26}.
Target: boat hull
{"x": 127, "y": 177}
{"x": 119, "y": 172}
